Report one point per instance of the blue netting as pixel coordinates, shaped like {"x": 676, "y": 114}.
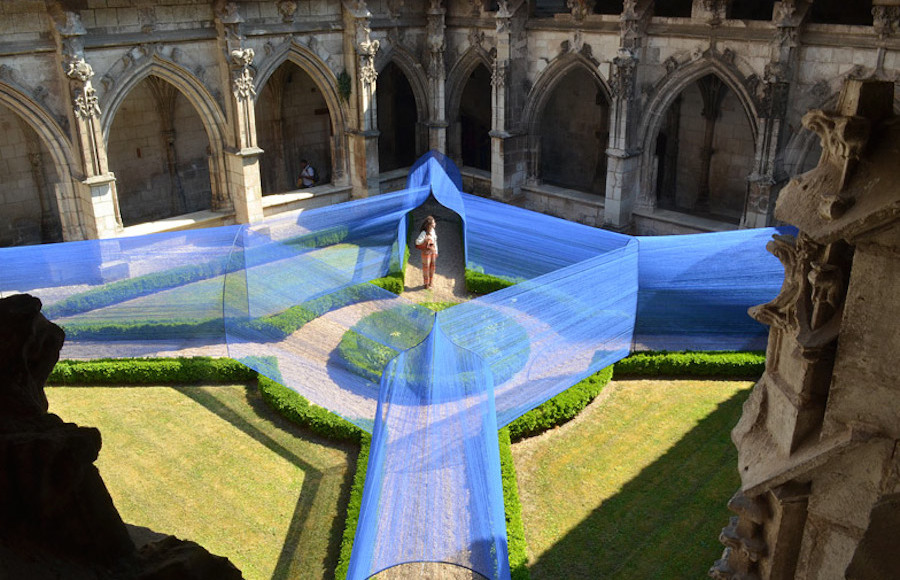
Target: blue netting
{"x": 291, "y": 298}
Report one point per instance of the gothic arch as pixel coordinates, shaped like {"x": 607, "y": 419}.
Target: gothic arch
{"x": 196, "y": 93}
{"x": 668, "y": 89}
{"x": 551, "y": 76}
{"x": 315, "y": 67}
{"x": 540, "y": 95}
{"x": 459, "y": 76}
{"x": 61, "y": 151}
{"x": 203, "y": 102}
{"x": 414, "y": 74}
{"x": 457, "y": 80}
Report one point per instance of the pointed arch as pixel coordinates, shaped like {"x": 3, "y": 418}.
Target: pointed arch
{"x": 664, "y": 94}
{"x": 459, "y": 76}
{"x": 457, "y": 81}
{"x": 550, "y": 77}
{"x": 310, "y": 63}
{"x": 415, "y": 74}
{"x": 61, "y": 152}
{"x": 190, "y": 86}
{"x": 668, "y": 89}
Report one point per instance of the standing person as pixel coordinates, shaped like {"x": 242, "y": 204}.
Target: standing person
{"x": 307, "y": 175}
{"x": 427, "y": 243}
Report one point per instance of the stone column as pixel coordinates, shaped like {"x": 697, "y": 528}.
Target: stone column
{"x": 508, "y": 140}
{"x": 818, "y": 436}
{"x": 241, "y": 154}
{"x": 96, "y": 185}
{"x": 360, "y": 50}
{"x": 437, "y": 76}
{"x": 768, "y": 176}
{"x": 623, "y": 152}
{"x": 712, "y": 91}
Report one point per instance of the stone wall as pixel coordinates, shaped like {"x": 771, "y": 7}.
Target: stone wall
{"x": 220, "y": 56}
{"x": 818, "y": 438}
{"x": 148, "y": 188}
{"x": 20, "y": 195}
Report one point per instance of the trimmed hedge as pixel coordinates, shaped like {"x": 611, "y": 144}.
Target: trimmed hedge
{"x": 123, "y": 290}
{"x": 481, "y": 283}
{"x": 353, "y": 507}
{"x": 296, "y": 408}
{"x": 393, "y": 282}
{"x": 560, "y": 408}
{"x": 515, "y": 527}
{"x": 731, "y": 365}
{"x": 160, "y": 371}
{"x": 142, "y": 330}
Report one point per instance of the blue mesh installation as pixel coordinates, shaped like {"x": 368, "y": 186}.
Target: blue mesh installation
{"x": 542, "y": 335}
{"x": 432, "y": 491}
{"x": 695, "y": 290}
{"x": 147, "y": 295}
{"x": 291, "y": 298}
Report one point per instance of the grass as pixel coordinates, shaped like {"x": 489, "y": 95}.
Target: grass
{"x": 637, "y": 486}
{"x": 215, "y": 465}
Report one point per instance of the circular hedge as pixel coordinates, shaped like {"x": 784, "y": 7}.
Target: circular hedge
{"x": 368, "y": 358}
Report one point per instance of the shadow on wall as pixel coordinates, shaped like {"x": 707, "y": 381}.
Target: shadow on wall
{"x": 647, "y": 530}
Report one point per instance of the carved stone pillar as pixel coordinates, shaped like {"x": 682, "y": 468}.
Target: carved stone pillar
{"x": 712, "y": 91}
{"x": 437, "y": 125}
{"x": 623, "y": 151}
{"x": 508, "y": 140}
{"x": 241, "y": 154}
{"x": 363, "y": 133}
{"x": 768, "y": 176}
{"x": 96, "y": 186}
{"x": 818, "y": 436}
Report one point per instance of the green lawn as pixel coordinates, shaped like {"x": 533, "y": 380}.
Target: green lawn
{"x": 215, "y": 465}
{"x": 636, "y": 487}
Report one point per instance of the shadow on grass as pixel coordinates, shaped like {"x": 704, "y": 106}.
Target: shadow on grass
{"x": 665, "y": 522}
{"x": 291, "y": 559}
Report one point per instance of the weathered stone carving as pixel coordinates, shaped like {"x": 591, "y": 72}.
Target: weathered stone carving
{"x": 498, "y": 74}
{"x": 633, "y": 22}
{"x": 242, "y": 59}
{"x": 843, "y": 139}
{"x": 287, "y": 9}
{"x": 886, "y": 20}
{"x": 579, "y": 9}
{"x": 435, "y": 39}
{"x": 819, "y": 433}
{"x": 623, "y": 77}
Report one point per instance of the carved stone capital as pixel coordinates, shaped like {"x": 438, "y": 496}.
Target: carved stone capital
{"x": 243, "y": 85}
{"x": 498, "y": 74}
{"x": 623, "y": 74}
